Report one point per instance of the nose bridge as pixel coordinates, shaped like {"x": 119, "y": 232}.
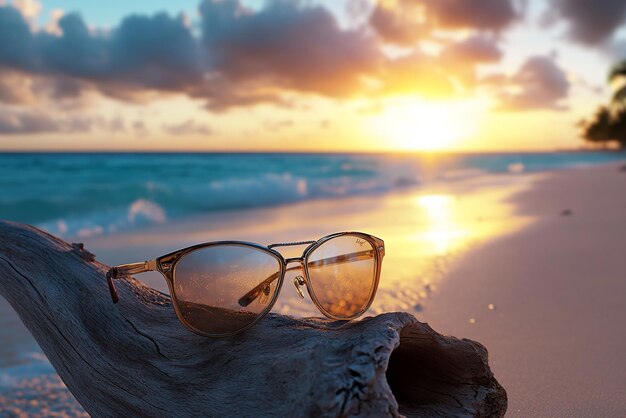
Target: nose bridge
{"x": 298, "y": 281}
{"x": 299, "y": 260}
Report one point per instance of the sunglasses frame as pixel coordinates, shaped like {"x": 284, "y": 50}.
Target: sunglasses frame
{"x": 166, "y": 265}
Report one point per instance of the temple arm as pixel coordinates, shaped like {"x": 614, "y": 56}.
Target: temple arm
{"x": 125, "y": 270}
{"x": 249, "y": 297}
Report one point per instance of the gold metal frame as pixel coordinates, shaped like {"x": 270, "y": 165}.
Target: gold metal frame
{"x": 166, "y": 265}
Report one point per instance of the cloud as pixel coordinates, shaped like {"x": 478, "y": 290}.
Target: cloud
{"x": 27, "y": 123}
{"x": 476, "y": 14}
{"x": 139, "y": 127}
{"x": 618, "y": 50}
{"x": 286, "y": 46}
{"x": 539, "y": 84}
{"x": 188, "y": 127}
{"x": 156, "y": 52}
{"x": 34, "y": 121}
{"x": 17, "y": 48}
{"x": 399, "y": 22}
{"x": 113, "y": 125}
{"x": 16, "y": 88}
{"x": 461, "y": 58}
{"x": 474, "y": 49}
{"x": 242, "y": 57}
{"x": 590, "y": 22}
{"x": 30, "y": 9}
{"x": 404, "y": 22}
{"x": 235, "y": 56}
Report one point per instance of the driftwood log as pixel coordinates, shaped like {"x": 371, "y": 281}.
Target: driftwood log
{"x": 136, "y": 359}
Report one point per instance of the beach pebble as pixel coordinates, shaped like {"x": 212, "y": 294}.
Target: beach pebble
{"x": 472, "y": 320}
{"x": 491, "y": 307}
{"x": 567, "y": 212}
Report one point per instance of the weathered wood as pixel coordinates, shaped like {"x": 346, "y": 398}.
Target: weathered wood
{"x": 136, "y": 359}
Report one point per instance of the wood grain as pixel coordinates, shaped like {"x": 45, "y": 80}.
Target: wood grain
{"x": 135, "y": 359}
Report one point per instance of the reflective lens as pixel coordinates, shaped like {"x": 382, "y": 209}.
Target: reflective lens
{"x": 222, "y": 289}
{"x": 343, "y": 274}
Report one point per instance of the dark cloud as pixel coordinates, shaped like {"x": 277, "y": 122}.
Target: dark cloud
{"x": 404, "y": 22}
{"x": 475, "y": 49}
{"x": 475, "y": 14}
{"x": 64, "y": 87}
{"x": 396, "y": 24}
{"x": 156, "y": 52}
{"x": 288, "y": 46}
{"x": 538, "y": 84}
{"x": 18, "y": 48}
{"x": 590, "y": 22}
{"x": 461, "y": 58}
{"x": 240, "y": 57}
{"x": 188, "y": 127}
{"x": 27, "y": 123}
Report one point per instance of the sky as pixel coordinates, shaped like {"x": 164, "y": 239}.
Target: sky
{"x": 356, "y": 75}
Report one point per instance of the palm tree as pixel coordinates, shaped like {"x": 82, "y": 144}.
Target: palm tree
{"x": 609, "y": 122}
{"x": 617, "y": 76}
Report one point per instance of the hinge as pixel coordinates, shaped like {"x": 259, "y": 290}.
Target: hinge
{"x": 151, "y": 265}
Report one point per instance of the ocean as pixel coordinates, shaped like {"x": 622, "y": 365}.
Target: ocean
{"x": 87, "y": 194}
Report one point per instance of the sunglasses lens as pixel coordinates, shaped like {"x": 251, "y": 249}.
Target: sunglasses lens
{"x": 222, "y": 289}
{"x": 343, "y": 275}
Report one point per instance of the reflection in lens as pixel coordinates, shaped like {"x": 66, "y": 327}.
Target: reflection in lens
{"x": 210, "y": 282}
{"x": 343, "y": 274}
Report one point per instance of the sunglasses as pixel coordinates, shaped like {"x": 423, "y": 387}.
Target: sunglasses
{"x": 222, "y": 288}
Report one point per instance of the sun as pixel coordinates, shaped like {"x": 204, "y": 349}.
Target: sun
{"x": 418, "y": 125}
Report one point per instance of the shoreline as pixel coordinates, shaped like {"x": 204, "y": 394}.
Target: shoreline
{"x": 548, "y": 301}
{"x": 433, "y": 236}
{"x": 421, "y": 244}
{"x": 425, "y": 229}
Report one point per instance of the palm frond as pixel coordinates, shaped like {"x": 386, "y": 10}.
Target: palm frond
{"x": 618, "y": 70}
{"x": 619, "y": 97}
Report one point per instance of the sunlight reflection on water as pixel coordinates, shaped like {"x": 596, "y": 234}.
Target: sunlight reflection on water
{"x": 437, "y": 229}
{"x": 424, "y": 232}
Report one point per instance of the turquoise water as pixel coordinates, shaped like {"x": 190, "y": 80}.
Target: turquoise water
{"x": 92, "y": 194}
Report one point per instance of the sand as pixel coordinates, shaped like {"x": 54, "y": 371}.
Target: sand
{"x": 549, "y": 302}
{"x": 556, "y": 283}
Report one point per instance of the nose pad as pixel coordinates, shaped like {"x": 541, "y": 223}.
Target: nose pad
{"x": 297, "y": 282}
{"x": 265, "y": 295}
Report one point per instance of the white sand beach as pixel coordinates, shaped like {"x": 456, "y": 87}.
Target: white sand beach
{"x": 491, "y": 258}
{"x": 549, "y": 302}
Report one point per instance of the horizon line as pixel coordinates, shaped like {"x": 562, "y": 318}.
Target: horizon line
{"x": 262, "y": 151}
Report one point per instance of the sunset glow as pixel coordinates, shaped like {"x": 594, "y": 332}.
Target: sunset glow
{"x": 246, "y": 75}
{"x": 418, "y": 125}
